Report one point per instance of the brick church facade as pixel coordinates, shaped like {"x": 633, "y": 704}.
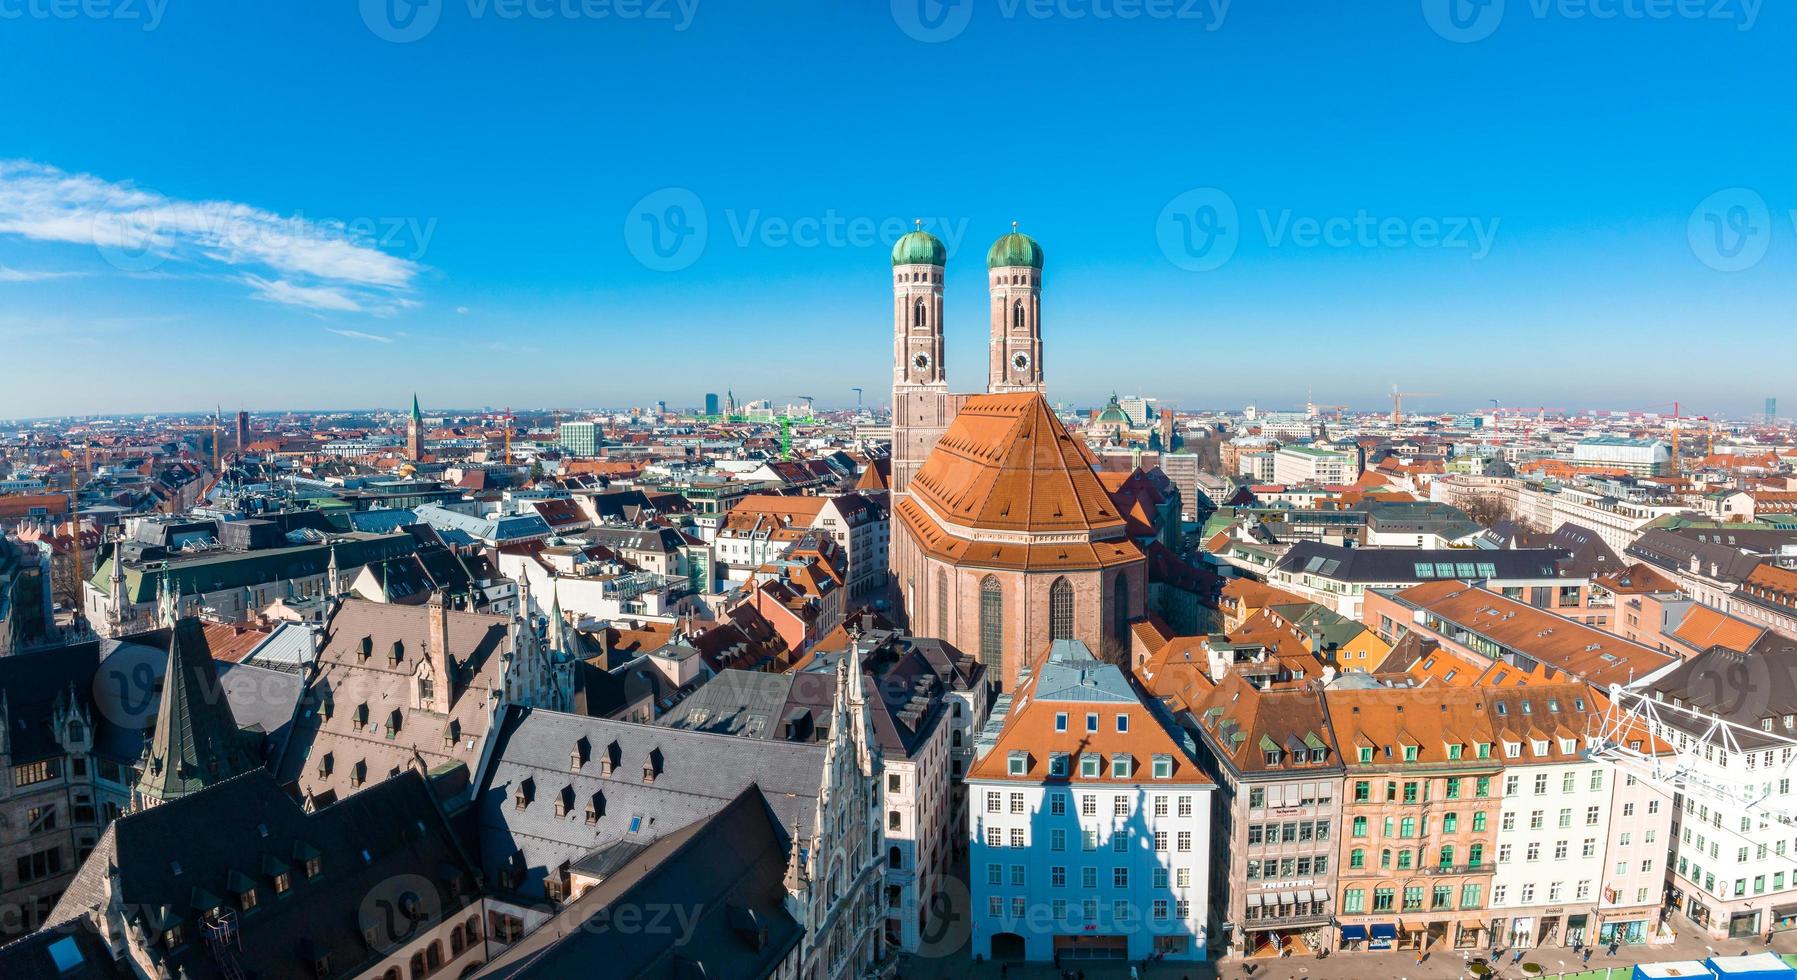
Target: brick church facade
{"x": 1004, "y": 539}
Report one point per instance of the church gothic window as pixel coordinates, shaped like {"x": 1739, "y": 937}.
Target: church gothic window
{"x": 1120, "y": 599}
{"x": 942, "y": 603}
{"x": 992, "y": 626}
{"x": 918, "y": 318}
{"x": 1017, "y": 315}
{"x": 1060, "y": 610}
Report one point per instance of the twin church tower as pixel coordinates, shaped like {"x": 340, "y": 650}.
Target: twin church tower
{"x": 922, "y": 405}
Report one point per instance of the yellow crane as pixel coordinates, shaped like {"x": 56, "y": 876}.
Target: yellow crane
{"x": 1397, "y": 402}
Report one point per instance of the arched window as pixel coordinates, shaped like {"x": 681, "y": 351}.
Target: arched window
{"x": 942, "y": 604}
{"x": 433, "y": 955}
{"x": 1017, "y": 315}
{"x": 417, "y": 966}
{"x": 918, "y": 317}
{"x": 456, "y": 942}
{"x": 1120, "y": 599}
{"x": 1060, "y": 610}
{"x": 992, "y": 623}
{"x": 894, "y": 859}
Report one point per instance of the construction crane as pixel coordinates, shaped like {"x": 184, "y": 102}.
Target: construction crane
{"x": 1397, "y": 402}
{"x": 857, "y": 392}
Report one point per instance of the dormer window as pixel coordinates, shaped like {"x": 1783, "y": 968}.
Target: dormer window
{"x": 366, "y": 649}
{"x": 564, "y": 802}
{"x": 1484, "y": 751}
{"x": 527, "y": 791}
{"x": 395, "y": 653}
{"x": 1512, "y": 750}
{"x": 1366, "y": 754}
{"x": 1057, "y": 764}
{"x": 1163, "y": 767}
{"x": 1538, "y": 746}
{"x": 595, "y": 808}
{"x": 1453, "y": 751}
{"x": 1122, "y": 766}
{"x": 1410, "y": 753}
{"x": 1018, "y": 764}
{"x": 1090, "y": 766}
{"x": 1568, "y": 746}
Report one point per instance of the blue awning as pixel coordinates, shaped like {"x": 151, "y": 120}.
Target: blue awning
{"x": 1353, "y": 933}
{"x": 1383, "y": 930}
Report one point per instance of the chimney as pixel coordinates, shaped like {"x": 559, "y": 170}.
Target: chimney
{"x": 436, "y": 649}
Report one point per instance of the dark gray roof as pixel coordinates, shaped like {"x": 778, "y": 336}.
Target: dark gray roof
{"x": 698, "y": 773}
{"x": 1398, "y": 565}
{"x": 391, "y": 834}
{"x": 72, "y": 952}
{"x": 1718, "y": 554}
{"x": 196, "y": 741}
{"x": 1418, "y": 517}
{"x": 1754, "y": 689}
{"x": 726, "y": 868}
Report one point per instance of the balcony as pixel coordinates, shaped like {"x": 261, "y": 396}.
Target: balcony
{"x": 1484, "y": 867}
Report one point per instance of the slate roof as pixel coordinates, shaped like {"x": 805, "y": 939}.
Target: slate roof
{"x": 727, "y": 867}
{"x": 74, "y": 952}
{"x": 1396, "y": 565}
{"x": 698, "y": 774}
{"x": 1745, "y": 687}
{"x": 253, "y": 831}
{"x": 196, "y": 743}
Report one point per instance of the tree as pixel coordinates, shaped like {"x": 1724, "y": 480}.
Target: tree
{"x": 536, "y": 470}
{"x": 1488, "y": 509}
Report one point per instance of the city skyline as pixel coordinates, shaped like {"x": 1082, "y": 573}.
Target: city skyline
{"x": 518, "y": 216}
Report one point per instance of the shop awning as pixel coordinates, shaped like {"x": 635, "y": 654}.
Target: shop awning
{"x": 1320, "y": 895}
{"x": 1385, "y": 930}
{"x": 1783, "y": 911}
{"x": 1254, "y": 900}
{"x": 1288, "y": 898}
{"x": 1353, "y": 933}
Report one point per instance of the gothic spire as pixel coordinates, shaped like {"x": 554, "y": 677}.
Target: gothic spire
{"x": 196, "y": 742}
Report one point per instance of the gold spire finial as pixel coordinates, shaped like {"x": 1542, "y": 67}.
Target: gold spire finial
{"x": 1013, "y": 227}
{"x": 918, "y": 222}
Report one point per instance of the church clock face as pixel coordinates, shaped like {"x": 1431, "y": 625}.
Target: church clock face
{"x": 920, "y": 361}
{"x": 1020, "y": 361}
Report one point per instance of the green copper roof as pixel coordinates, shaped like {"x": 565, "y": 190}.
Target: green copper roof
{"x": 1014, "y": 249}
{"x": 919, "y": 248}
{"x": 1113, "y": 412}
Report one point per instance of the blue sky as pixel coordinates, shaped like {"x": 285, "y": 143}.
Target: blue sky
{"x": 277, "y": 204}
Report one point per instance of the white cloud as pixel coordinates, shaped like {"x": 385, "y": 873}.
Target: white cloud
{"x": 301, "y": 262}
{"x": 359, "y": 335}
{"x": 9, "y": 274}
